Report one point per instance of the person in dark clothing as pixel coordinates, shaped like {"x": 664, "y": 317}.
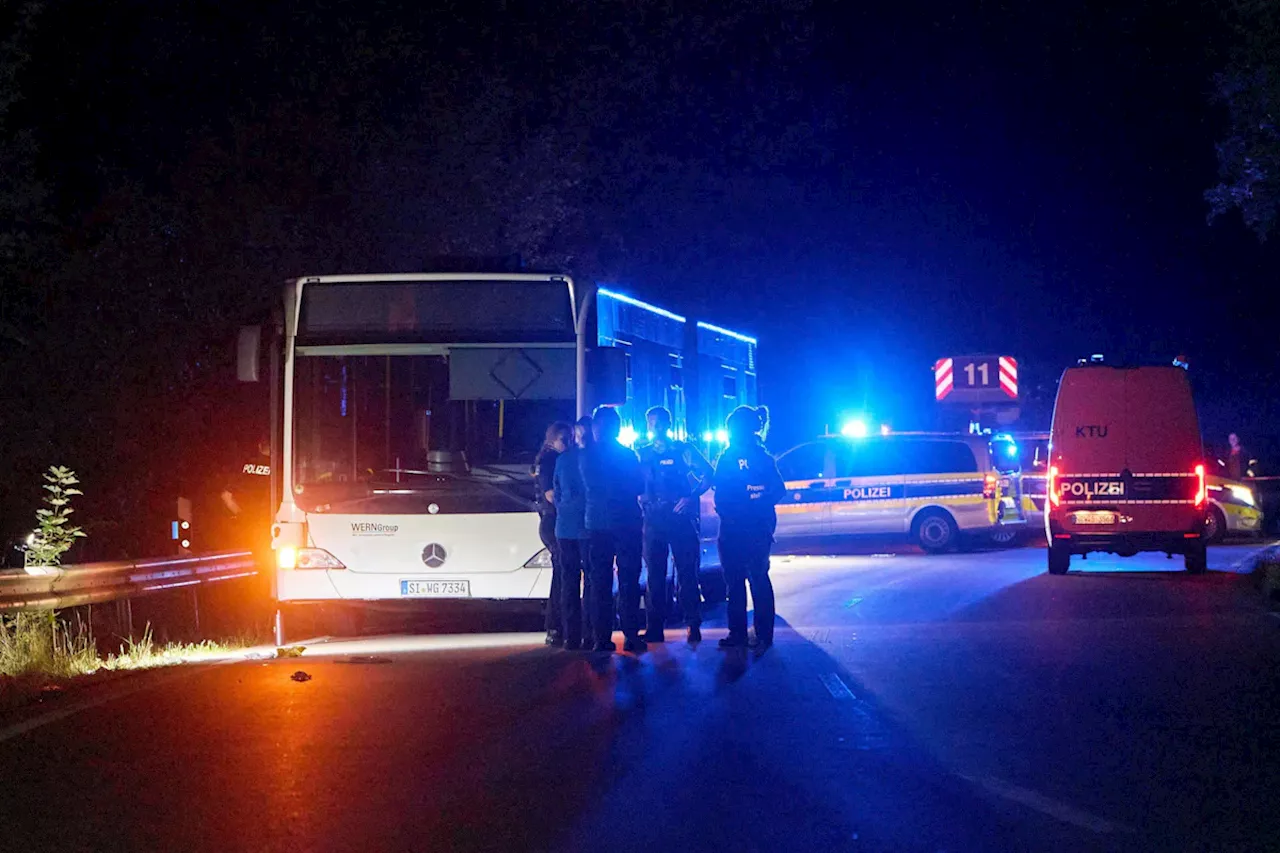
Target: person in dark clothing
{"x": 670, "y": 505}
{"x": 1237, "y": 459}
{"x": 557, "y": 441}
{"x": 748, "y": 487}
{"x": 245, "y": 497}
{"x": 611, "y": 474}
{"x": 570, "y": 498}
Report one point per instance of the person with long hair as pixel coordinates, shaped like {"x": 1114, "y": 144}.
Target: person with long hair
{"x": 557, "y": 440}
{"x": 570, "y": 494}
{"x": 747, "y": 490}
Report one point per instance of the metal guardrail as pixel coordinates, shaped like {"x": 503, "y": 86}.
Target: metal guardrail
{"x": 45, "y": 588}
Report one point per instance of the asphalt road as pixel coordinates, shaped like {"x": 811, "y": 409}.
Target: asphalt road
{"x": 959, "y": 703}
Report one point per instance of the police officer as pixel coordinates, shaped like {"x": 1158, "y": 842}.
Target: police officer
{"x": 748, "y": 487}
{"x": 611, "y": 474}
{"x": 555, "y": 443}
{"x": 670, "y": 504}
{"x": 571, "y": 535}
{"x": 245, "y": 497}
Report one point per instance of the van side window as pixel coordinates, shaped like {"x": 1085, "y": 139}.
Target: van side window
{"x": 806, "y": 462}
{"x": 870, "y": 458}
{"x": 939, "y": 457}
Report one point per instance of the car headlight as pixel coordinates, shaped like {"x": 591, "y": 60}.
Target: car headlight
{"x": 540, "y": 560}
{"x": 1244, "y": 494}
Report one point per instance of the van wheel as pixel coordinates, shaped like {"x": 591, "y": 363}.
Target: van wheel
{"x": 1059, "y": 560}
{"x": 1215, "y": 526}
{"x": 935, "y": 531}
{"x": 1197, "y": 560}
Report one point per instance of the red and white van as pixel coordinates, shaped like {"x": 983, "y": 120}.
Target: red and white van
{"x": 1126, "y": 466}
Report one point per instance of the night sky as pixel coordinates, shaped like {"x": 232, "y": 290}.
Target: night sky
{"x": 864, "y": 190}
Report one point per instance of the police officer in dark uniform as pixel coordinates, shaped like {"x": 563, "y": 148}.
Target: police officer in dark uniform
{"x": 670, "y": 504}
{"x": 246, "y": 498}
{"x": 748, "y": 487}
{"x": 558, "y": 436}
{"x": 611, "y": 474}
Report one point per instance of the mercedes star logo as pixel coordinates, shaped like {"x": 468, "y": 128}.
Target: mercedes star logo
{"x": 434, "y": 555}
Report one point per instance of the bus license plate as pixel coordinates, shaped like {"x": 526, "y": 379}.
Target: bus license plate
{"x": 435, "y": 589}
{"x": 1095, "y": 517}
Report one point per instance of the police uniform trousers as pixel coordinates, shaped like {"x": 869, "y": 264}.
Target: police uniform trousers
{"x": 678, "y": 535}
{"x": 623, "y": 546}
{"x": 744, "y": 556}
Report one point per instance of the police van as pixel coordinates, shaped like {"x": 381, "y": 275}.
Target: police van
{"x": 934, "y": 487}
{"x": 1232, "y": 507}
{"x": 1126, "y": 466}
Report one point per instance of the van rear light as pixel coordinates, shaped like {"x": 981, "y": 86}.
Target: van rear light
{"x": 1051, "y": 486}
{"x": 1201, "y": 492}
{"x": 989, "y": 486}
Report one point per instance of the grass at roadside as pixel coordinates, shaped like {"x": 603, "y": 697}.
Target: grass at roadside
{"x": 40, "y": 644}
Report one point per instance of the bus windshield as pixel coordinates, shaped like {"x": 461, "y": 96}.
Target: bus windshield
{"x": 372, "y": 426}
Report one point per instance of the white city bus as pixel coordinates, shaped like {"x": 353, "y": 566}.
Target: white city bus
{"x": 409, "y": 409}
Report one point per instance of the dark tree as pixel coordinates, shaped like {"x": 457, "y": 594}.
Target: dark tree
{"x": 1249, "y": 157}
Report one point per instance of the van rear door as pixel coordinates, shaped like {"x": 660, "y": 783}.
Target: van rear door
{"x": 1166, "y": 437}
{"x": 1163, "y": 449}
{"x": 1091, "y": 424}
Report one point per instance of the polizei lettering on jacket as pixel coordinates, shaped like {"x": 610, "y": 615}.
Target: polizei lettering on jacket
{"x": 1091, "y": 489}
{"x": 866, "y": 493}
{"x": 373, "y": 528}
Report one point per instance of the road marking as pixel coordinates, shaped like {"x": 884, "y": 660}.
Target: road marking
{"x": 1045, "y": 805}
{"x": 143, "y": 680}
{"x": 142, "y": 683}
{"x": 837, "y": 688}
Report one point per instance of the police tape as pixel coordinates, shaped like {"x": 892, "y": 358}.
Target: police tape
{"x": 55, "y": 587}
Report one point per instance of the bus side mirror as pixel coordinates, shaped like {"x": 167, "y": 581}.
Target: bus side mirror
{"x": 249, "y": 353}
{"x": 607, "y": 376}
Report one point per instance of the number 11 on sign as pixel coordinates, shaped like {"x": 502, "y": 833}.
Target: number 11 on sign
{"x": 974, "y": 369}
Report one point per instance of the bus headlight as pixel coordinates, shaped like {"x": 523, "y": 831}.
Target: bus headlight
{"x": 1244, "y": 494}
{"x": 288, "y": 557}
{"x": 540, "y": 560}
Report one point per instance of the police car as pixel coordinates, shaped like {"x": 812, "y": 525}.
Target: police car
{"x": 933, "y": 487}
{"x": 1232, "y": 508}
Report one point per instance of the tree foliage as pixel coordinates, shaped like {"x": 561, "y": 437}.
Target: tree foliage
{"x": 1249, "y": 157}
{"x": 55, "y": 534}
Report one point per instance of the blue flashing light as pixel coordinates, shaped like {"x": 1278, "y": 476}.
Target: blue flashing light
{"x": 722, "y": 436}
{"x": 631, "y": 300}
{"x": 727, "y": 333}
{"x": 175, "y": 531}
{"x": 1011, "y": 450}
{"x": 854, "y": 429}
{"x": 708, "y": 436}
{"x": 627, "y": 436}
